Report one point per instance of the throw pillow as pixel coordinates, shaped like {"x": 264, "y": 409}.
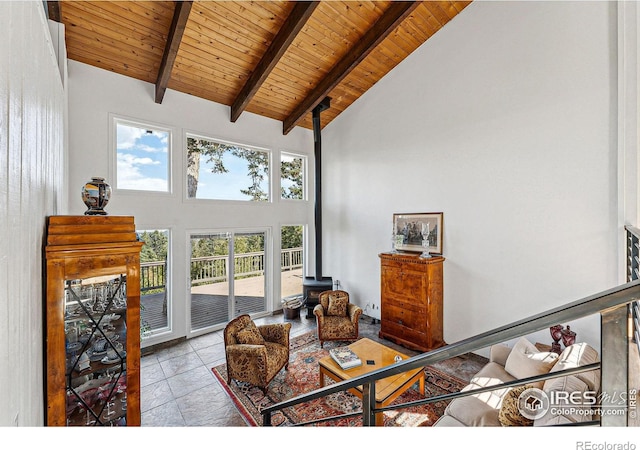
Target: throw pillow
{"x": 337, "y": 306}
{"x": 563, "y": 412}
{"x": 526, "y": 361}
{"x": 509, "y": 415}
{"x": 250, "y": 335}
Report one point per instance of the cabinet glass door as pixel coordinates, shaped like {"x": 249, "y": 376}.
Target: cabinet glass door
{"x": 95, "y": 340}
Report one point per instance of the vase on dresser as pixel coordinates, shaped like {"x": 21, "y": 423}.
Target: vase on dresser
{"x": 96, "y": 194}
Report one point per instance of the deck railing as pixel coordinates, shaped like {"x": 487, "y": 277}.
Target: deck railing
{"x": 213, "y": 269}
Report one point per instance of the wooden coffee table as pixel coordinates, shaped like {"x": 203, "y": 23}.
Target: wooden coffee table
{"x": 387, "y": 389}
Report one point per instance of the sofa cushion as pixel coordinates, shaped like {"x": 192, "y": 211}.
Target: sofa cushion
{"x": 448, "y": 421}
{"x": 576, "y": 355}
{"x": 526, "y": 361}
{"x": 337, "y": 306}
{"x": 577, "y": 410}
{"x": 509, "y": 415}
{"x": 481, "y": 410}
{"x": 499, "y": 353}
{"x": 473, "y": 412}
{"x": 490, "y": 375}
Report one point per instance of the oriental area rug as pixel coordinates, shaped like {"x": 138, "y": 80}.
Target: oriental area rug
{"x": 303, "y": 377}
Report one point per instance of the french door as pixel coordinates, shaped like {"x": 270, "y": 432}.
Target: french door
{"x": 228, "y": 273}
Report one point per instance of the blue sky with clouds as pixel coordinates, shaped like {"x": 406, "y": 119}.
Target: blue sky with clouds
{"x": 142, "y": 158}
{"x": 225, "y": 186}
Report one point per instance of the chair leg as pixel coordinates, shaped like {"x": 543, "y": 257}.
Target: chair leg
{"x": 321, "y": 344}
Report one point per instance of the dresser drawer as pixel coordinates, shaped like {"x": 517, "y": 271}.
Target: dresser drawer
{"x": 405, "y": 317}
{"x": 405, "y": 304}
{"x": 403, "y": 332}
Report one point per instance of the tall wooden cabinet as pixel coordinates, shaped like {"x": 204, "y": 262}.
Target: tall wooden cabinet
{"x": 92, "y": 353}
{"x": 411, "y": 300}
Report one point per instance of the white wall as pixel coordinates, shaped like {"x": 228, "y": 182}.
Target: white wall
{"x": 95, "y": 94}
{"x": 628, "y": 110}
{"x": 31, "y": 162}
{"x": 504, "y": 121}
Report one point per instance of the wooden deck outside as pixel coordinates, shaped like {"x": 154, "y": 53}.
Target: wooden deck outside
{"x": 210, "y": 305}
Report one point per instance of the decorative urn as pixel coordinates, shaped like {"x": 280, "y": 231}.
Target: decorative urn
{"x": 568, "y": 337}
{"x": 96, "y": 194}
{"x": 556, "y": 335}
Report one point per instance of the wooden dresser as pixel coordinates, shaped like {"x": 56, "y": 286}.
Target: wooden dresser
{"x": 411, "y": 300}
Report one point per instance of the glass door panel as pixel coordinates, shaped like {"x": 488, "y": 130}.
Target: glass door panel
{"x": 291, "y": 261}
{"x": 249, "y": 273}
{"x": 210, "y": 289}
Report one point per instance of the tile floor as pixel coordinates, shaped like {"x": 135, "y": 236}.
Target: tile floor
{"x": 178, "y": 388}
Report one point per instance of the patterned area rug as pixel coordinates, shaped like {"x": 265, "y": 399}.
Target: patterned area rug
{"x": 303, "y": 377}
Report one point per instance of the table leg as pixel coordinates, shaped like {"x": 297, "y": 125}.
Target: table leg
{"x": 421, "y": 384}
{"x": 321, "y": 377}
{"x": 379, "y": 418}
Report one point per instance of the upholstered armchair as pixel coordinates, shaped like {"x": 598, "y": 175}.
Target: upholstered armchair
{"x": 337, "y": 319}
{"x": 255, "y": 354}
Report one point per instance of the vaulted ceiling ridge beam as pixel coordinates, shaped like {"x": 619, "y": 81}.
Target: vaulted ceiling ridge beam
{"x": 389, "y": 21}
{"x": 290, "y": 29}
{"x": 178, "y": 24}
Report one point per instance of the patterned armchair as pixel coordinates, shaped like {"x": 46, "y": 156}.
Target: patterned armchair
{"x": 337, "y": 319}
{"x": 255, "y": 354}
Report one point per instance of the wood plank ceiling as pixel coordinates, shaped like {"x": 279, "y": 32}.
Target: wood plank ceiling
{"x": 278, "y": 59}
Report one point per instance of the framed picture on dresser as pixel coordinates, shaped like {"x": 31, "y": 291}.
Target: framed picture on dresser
{"x": 418, "y": 232}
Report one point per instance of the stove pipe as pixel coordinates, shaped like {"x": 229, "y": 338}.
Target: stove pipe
{"x": 324, "y": 104}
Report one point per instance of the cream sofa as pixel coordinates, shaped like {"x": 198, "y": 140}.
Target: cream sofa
{"x": 522, "y": 361}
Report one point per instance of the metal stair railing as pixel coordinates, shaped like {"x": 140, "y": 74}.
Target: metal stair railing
{"x": 633, "y": 273}
{"x": 612, "y": 305}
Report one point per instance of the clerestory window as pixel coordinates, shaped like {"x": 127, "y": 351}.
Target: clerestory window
{"x": 226, "y": 171}
{"x": 292, "y": 176}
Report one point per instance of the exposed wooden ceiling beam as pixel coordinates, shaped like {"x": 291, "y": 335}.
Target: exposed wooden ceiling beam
{"x": 290, "y": 29}
{"x": 178, "y": 24}
{"x": 388, "y": 22}
{"x": 53, "y": 11}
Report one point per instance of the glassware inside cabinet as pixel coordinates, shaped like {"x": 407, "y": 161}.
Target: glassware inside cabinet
{"x": 95, "y": 340}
